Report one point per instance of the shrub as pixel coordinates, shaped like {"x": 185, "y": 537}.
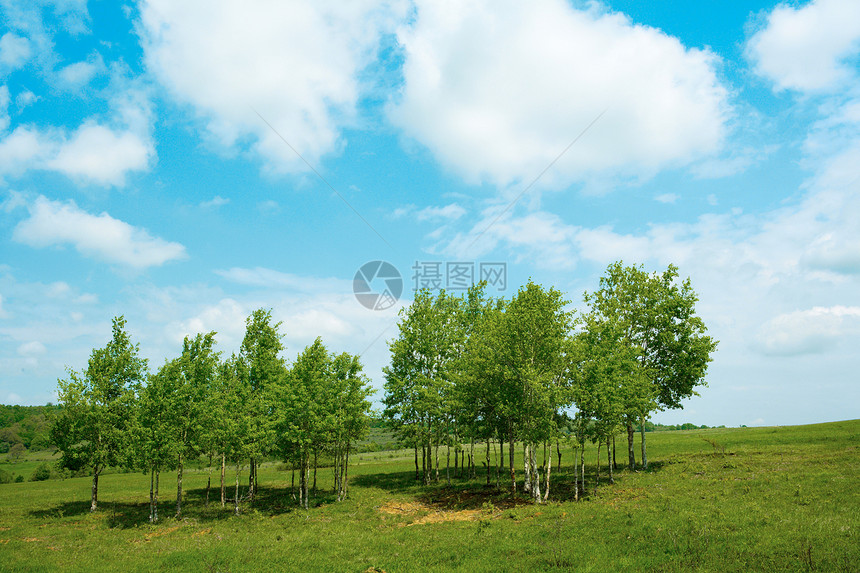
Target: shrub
{"x": 19, "y": 478}
{"x": 5, "y": 477}
{"x": 43, "y": 472}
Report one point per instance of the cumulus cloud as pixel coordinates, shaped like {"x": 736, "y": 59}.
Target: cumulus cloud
{"x": 296, "y": 63}
{"x": 99, "y": 154}
{"x": 214, "y": 202}
{"x": 497, "y": 90}
{"x": 14, "y": 51}
{"x": 96, "y": 152}
{"x": 809, "y": 331}
{"x": 55, "y": 223}
{"x": 808, "y": 48}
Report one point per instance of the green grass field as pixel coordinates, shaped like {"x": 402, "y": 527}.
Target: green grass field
{"x": 751, "y": 499}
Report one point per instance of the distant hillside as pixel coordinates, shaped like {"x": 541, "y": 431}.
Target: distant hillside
{"x": 26, "y": 425}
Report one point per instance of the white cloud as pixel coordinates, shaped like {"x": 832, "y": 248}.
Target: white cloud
{"x": 497, "y": 90}
{"x": 214, "y": 202}
{"x": 809, "y": 331}
{"x": 25, "y": 99}
{"x": 296, "y": 63}
{"x": 667, "y": 198}
{"x": 23, "y": 149}
{"x": 809, "y": 48}
{"x": 101, "y": 236}
{"x": 4, "y": 108}
{"x": 14, "y": 51}
{"x": 79, "y": 74}
{"x": 98, "y": 154}
{"x": 95, "y": 153}
{"x": 540, "y": 237}
{"x": 31, "y": 348}
{"x": 268, "y": 207}
{"x": 449, "y": 212}
{"x": 262, "y": 277}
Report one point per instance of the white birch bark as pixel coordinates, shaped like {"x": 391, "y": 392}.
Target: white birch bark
{"x": 548, "y": 472}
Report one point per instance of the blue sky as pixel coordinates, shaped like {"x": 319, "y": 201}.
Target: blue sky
{"x": 185, "y": 163}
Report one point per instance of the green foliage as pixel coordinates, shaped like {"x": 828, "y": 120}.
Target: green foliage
{"x": 16, "y": 453}
{"x": 44, "y": 471}
{"x": 94, "y": 427}
{"x": 655, "y": 316}
{"x": 28, "y": 425}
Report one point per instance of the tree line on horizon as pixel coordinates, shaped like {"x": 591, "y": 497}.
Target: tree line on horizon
{"x": 528, "y": 370}
{"x": 242, "y": 409}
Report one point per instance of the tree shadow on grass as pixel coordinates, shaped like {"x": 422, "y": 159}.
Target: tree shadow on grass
{"x": 269, "y": 501}
{"x": 474, "y": 493}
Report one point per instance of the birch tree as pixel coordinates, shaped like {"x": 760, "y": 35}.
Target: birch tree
{"x": 155, "y": 436}
{"x": 92, "y": 430}
{"x": 419, "y": 379}
{"x": 262, "y": 367}
{"x": 656, "y": 314}
{"x": 195, "y": 372}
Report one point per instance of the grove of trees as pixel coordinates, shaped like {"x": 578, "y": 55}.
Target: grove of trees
{"x": 234, "y": 411}
{"x": 530, "y": 371}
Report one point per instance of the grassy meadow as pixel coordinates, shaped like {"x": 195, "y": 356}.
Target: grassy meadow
{"x": 748, "y": 499}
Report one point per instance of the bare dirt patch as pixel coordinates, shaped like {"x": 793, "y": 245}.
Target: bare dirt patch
{"x": 422, "y": 514}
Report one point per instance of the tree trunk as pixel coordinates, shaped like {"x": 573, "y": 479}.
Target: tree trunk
{"x": 544, "y": 455}
{"x": 582, "y": 460}
{"x": 179, "y": 487}
{"x": 597, "y": 478}
{"x": 456, "y": 463}
{"x": 223, "y": 485}
{"x": 511, "y": 463}
{"x": 346, "y": 472}
{"x": 609, "y": 453}
{"x": 437, "y": 461}
{"x": 209, "y": 480}
{"x": 488, "y": 461}
{"x": 548, "y": 472}
{"x": 472, "y": 459}
{"x": 448, "y": 464}
{"x": 630, "y": 453}
{"x": 236, "y": 497}
{"x": 152, "y": 496}
{"x": 94, "y": 500}
{"x": 644, "y": 455}
{"x": 307, "y": 480}
{"x": 315, "y": 473}
{"x": 251, "y": 470}
{"x": 501, "y": 454}
{"x": 527, "y": 479}
{"x": 417, "y": 475}
{"x": 535, "y": 473}
{"x": 575, "y": 477}
{"x": 614, "y": 461}
{"x": 558, "y": 451}
{"x": 302, "y": 481}
{"x": 497, "y": 464}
